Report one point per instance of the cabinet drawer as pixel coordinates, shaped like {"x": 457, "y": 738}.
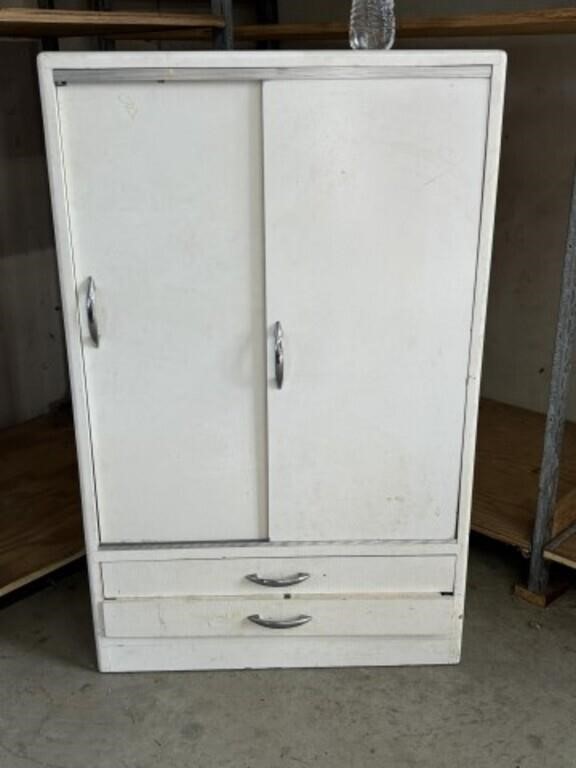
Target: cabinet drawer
{"x": 326, "y": 616}
{"x": 324, "y": 575}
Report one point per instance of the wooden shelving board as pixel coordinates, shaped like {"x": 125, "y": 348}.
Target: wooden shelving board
{"x": 564, "y": 553}
{"x": 562, "y": 547}
{"x": 37, "y": 22}
{"x": 508, "y": 456}
{"x": 541, "y": 22}
{"x": 40, "y": 518}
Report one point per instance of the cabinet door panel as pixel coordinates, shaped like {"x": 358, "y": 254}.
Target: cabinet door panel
{"x": 373, "y": 194}
{"x": 164, "y": 195}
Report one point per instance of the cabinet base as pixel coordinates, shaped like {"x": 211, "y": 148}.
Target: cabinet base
{"x": 257, "y": 653}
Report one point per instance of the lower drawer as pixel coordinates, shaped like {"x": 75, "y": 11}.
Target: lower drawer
{"x": 325, "y": 616}
{"x": 326, "y": 575}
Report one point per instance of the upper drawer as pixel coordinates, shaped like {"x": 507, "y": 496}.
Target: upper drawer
{"x": 306, "y": 575}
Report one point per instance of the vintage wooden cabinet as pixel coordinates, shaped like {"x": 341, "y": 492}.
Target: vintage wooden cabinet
{"x": 274, "y": 272}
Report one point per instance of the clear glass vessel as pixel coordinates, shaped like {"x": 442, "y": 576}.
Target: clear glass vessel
{"x": 372, "y": 24}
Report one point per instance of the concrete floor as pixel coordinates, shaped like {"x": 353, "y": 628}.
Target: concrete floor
{"x": 510, "y": 704}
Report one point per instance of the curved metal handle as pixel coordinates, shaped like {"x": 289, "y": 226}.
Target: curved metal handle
{"x": 91, "y": 311}
{"x": 286, "y": 581}
{"x": 295, "y": 621}
{"x": 279, "y": 354}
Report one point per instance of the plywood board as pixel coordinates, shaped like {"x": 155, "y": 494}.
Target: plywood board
{"x": 35, "y": 22}
{"x": 40, "y": 519}
{"x": 564, "y": 553}
{"x": 509, "y": 452}
{"x": 548, "y": 21}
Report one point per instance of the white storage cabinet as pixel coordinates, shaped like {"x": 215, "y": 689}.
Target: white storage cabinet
{"x": 274, "y": 271}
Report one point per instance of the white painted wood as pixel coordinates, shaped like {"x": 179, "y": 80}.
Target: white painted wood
{"x": 164, "y": 199}
{"x": 138, "y": 655}
{"x": 283, "y": 60}
{"x": 131, "y": 654}
{"x": 234, "y": 550}
{"x": 374, "y": 287}
{"x": 327, "y": 575}
{"x": 341, "y": 615}
{"x": 494, "y": 131}
{"x": 57, "y": 180}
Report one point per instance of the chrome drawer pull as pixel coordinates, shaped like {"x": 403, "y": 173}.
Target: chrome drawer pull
{"x": 296, "y": 621}
{"x": 287, "y": 581}
{"x": 279, "y": 354}
{"x": 91, "y": 311}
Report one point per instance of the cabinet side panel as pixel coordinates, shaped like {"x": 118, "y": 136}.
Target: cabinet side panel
{"x": 493, "y": 144}
{"x": 58, "y": 199}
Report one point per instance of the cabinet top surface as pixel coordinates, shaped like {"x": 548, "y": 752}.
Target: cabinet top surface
{"x": 49, "y": 62}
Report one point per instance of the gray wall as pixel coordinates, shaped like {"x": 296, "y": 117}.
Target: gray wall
{"x": 535, "y": 185}
{"x": 538, "y": 157}
{"x": 32, "y": 360}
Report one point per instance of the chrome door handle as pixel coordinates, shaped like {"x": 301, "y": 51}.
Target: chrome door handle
{"x": 91, "y": 311}
{"x": 286, "y": 581}
{"x": 295, "y": 621}
{"x": 279, "y": 354}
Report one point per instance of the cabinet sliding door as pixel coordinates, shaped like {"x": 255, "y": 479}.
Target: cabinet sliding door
{"x": 164, "y": 195}
{"x": 373, "y": 194}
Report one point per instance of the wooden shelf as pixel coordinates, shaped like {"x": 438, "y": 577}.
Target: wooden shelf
{"x": 33, "y": 22}
{"x": 564, "y": 553}
{"x": 543, "y": 22}
{"x": 562, "y": 547}
{"x": 40, "y": 518}
{"x": 36, "y": 22}
{"x": 508, "y": 456}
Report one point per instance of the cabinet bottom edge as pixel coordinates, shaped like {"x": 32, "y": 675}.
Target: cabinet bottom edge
{"x": 310, "y": 652}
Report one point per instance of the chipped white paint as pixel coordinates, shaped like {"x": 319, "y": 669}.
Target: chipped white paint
{"x": 376, "y": 475}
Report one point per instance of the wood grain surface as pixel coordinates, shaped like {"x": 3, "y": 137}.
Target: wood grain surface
{"x": 509, "y": 452}
{"x": 40, "y": 519}
{"x": 33, "y": 22}
{"x": 548, "y": 21}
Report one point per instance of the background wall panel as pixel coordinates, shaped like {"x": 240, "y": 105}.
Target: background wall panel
{"x": 539, "y": 149}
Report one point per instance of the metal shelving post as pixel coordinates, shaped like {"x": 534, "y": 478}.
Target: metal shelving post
{"x": 556, "y": 416}
{"x": 223, "y": 38}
